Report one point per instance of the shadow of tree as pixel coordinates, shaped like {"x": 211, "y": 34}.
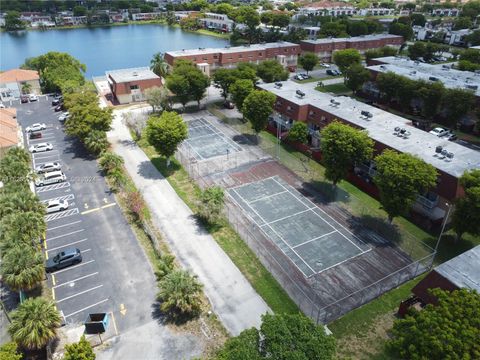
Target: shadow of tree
{"x": 246, "y": 139}
{"x": 325, "y": 192}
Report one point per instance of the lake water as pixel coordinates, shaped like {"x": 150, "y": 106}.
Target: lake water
{"x": 102, "y": 48}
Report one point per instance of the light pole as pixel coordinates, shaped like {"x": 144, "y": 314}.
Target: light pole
{"x": 445, "y": 220}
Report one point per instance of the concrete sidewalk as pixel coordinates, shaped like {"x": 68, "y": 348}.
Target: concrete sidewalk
{"x": 233, "y": 299}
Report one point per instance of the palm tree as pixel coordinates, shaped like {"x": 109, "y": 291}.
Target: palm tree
{"x": 19, "y": 201}
{"x": 22, "y": 268}
{"x": 158, "y": 65}
{"x": 26, "y": 87}
{"x": 180, "y": 293}
{"x": 96, "y": 142}
{"x": 110, "y": 161}
{"x": 34, "y": 323}
{"x": 29, "y": 226}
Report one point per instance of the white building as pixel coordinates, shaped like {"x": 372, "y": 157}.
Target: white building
{"x": 12, "y": 82}
{"x": 219, "y": 22}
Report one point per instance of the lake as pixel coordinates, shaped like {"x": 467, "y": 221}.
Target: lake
{"x": 102, "y": 48}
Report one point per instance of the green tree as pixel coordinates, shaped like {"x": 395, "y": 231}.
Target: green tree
{"x": 400, "y": 179}
{"x": 79, "y": 10}
{"x": 157, "y": 97}
{"x": 344, "y": 58}
{"x": 166, "y": 132}
{"x": 466, "y": 217}
{"x": 401, "y": 29}
{"x": 211, "y": 204}
{"x": 239, "y": 90}
{"x": 257, "y": 107}
{"x": 26, "y": 88}
{"x": 471, "y": 55}
{"x": 79, "y": 351}
{"x": 418, "y": 19}
{"x": 417, "y": 50}
{"x": 431, "y": 95}
{"x": 158, "y": 65}
{"x": 187, "y": 82}
{"x": 457, "y": 103}
{"x": 223, "y": 78}
{"x": 308, "y": 61}
{"x": 388, "y": 83}
{"x": 281, "y": 337}
{"x": 247, "y": 71}
{"x": 355, "y": 76}
{"x": 342, "y": 147}
{"x": 199, "y": 82}
{"x": 96, "y": 142}
{"x": 474, "y": 38}
{"x": 448, "y": 330}
{"x": 180, "y": 294}
{"x": 34, "y": 323}
{"x": 462, "y": 23}
{"x": 22, "y": 268}
{"x": 9, "y": 351}
{"x": 333, "y": 29}
{"x": 27, "y": 227}
{"x": 20, "y": 201}
{"x": 110, "y": 161}
{"x": 13, "y": 22}
{"x": 298, "y": 132}
{"x": 13, "y": 171}
{"x": 180, "y": 86}
{"x": 471, "y": 9}
{"x": 357, "y": 28}
{"x": 247, "y": 15}
{"x": 271, "y": 70}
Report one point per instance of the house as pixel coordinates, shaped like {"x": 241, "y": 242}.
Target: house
{"x": 12, "y": 81}
{"x": 389, "y": 131}
{"x": 129, "y": 85}
{"x": 461, "y": 272}
{"x": 10, "y": 133}
{"x": 145, "y": 16}
{"x": 218, "y": 22}
{"x": 376, "y": 12}
{"x": 325, "y": 8}
{"x": 445, "y": 12}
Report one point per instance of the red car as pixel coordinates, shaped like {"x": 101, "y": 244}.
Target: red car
{"x": 23, "y": 99}
{"x": 35, "y": 135}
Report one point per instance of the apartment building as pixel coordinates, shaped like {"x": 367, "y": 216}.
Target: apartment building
{"x": 209, "y": 59}
{"x": 375, "y": 12}
{"x": 324, "y": 48}
{"x": 389, "y": 131}
{"x": 325, "y": 8}
{"x": 218, "y": 22}
{"x": 10, "y": 132}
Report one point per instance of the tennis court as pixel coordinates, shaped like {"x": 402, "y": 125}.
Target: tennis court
{"x": 206, "y": 141}
{"x": 307, "y": 235}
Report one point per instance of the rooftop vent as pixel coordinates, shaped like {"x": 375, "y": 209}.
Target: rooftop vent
{"x": 300, "y": 93}
{"x": 278, "y": 84}
{"x": 333, "y": 102}
{"x": 135, "y": 73}
{"x": 383, "y": 67}
{"x": 450, "y": 155}
{"x": 472, "y": 87}
{"x": 438, "y": 149}
{"x": 367, "y": 114}
{"x": 413, "y": 72}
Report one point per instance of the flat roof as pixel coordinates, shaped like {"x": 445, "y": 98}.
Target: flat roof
{"x": 227, "y": 50}
{"x": 416, "y": 70}
{"x": 381, "y": 127}
{"x": 463, "y": 270}
{"x": 132, "y": 74}
{"x": 352, "y": 39}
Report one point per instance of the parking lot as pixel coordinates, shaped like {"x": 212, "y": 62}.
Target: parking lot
{"x": 114, "y": 275}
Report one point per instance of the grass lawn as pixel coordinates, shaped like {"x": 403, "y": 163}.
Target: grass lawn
{"x": 339, "y": 88}
{"x": 312, "y": 79}
{"x": 238, "y": 251}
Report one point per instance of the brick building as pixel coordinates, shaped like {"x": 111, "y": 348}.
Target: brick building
{"x": 389, "y": 131}
{"x": 285, "y": 53}
{"x": 324, "y": 48}
{"x": 129, "y": 85}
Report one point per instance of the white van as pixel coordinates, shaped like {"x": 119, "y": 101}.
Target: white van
{"x": 50, "y": 178}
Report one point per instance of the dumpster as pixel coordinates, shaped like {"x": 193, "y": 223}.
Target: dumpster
{"x": 96, "y": 323}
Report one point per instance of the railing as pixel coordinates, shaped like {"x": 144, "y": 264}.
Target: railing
{"x": 430, "y": 204}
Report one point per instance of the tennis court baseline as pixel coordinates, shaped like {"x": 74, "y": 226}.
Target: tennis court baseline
{"x": 312, "y": 239}
{"x": 206, "y": 141}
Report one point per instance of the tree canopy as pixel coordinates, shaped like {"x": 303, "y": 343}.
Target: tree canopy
{"x": 79, "y": 351}
{"x": 345, "y": 58}
{"x": 466, "y": 217}
{"x": 187, "y": 82}
{"x": 448, "y": 330}
{"x": 271, "y": 70}
{"x": 239, "y": 90}
{"x": 257, "y": 107}
{"x": 355, "y": 76}
{"x": 298, "y": 132}
{"x": 308, "y": 61}
{"x": 13, "y": 22}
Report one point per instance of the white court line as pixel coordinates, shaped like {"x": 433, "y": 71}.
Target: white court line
{"x": 191, "y": 147}
{"x": 67, "y": 245}
{"x": 281, "y": 238}
{"x": 298, "y": 213}
{"x": 311, "y": 202}
{"x": 74, "y": 280}
{"x": 60, "y": 226}
{"x": 317, "y": 238}
{"x": 73, "y": 267}
{"x": 341, "y": 262}
{"x": 70, "y": 233}
{"x": 86, "y": 308}
{"x": 266, "y": 197}
{"x": 80, "y": 293}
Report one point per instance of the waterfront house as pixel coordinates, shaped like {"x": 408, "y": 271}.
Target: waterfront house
{"x": 12, "y": 81}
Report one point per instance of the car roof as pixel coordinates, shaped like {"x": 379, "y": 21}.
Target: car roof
{"x": 53, "y": 163}
{"x": 53, "y": 173}
{"x": 68, "y": 251}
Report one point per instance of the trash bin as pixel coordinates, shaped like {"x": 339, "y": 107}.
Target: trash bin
{"x": 96, "y": 323}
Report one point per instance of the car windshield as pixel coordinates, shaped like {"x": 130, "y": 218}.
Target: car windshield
{"x": 56, "y": 258}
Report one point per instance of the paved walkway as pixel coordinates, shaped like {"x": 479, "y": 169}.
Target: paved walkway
{"x": 233, "y": 299}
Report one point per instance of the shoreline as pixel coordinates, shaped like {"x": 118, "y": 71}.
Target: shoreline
{"x": 146, "y": 22}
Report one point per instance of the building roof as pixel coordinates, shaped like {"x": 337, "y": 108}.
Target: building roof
{"x": 463, "y": 270}
{"x": 326, "y": 5}
{"x": 381, "y": 127}
{"x": 416, "y": 70}
{"x": 352, "y": 39}
{"x": 16, "y": 75}
{"x": 132, "y": 74}
{"x": 8, "y": 128}
{"x": 228, "y": 50}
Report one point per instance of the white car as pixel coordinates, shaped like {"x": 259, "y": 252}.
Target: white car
{"x": 2, "y": 106}
{"x": 47, "y": 167}
{"x": 40, "y": 147}
{"x": 56, "y": 205}
{"x": 325, "y": 65}
{"x": 438, "y": 131}
{"x": 32, "y": 97}
{"x": 36, "y": 127}
{"x": 51, "y": 177}
{"x": 64, "y": 116}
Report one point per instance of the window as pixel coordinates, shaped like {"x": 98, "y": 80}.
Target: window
{"x": 260, "y": 54}
{"x": 240, "y": 56}
{"x": 133, "y": 87}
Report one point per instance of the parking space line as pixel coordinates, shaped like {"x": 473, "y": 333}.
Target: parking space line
{"x": 108, "y": 205}
{"x": 77, "y": 279}
{"x": 53, "y": 294}
{"x": 80, "y": 293}
{"x": 67, "y": 234}
{"x": 65, "y": 197}
{"x": 74, "y": 267}
{"x": 89, "y": 211}
{"x": 48, "y": 157}
{"x": 86, "y": 308}
{"x": 114, "y": 323}
{"x": 52, "y": 187}
{"x": 61, "y": 214}
{"x": 60, "y": 226}
{"x": 67, "y": 245}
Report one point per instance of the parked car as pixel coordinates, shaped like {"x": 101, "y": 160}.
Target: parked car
{"x": 56, "y": 205}
{"x": 36, "y": 127}
{"x": 2, "y": 106}
{"x": 228, "y": 105}
{"x": 451, "y": 136}
{"x": 33, "y": 97}
{"x": 305, "y": 76}
{"x": 51, "y": 177}
{"x": 438, "y": 131}
{"x": 65, "y": 258}
{"x": 47, "y": 167}
{"x": 64, "y": 116}
{"x": 35, "y": 135}
{"x": 332, "y": 72}
{"x": 40, "y": 147}
{"x": 325, "y": 65}
{"x": 23, "y": 99}
{"x": 298, "y": 77}
{"x": 57, "y": 100}
{"x": 59, "y": 107}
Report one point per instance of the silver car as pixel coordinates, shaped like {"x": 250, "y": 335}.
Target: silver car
{"x": 47, "y": 167}
{"x": 41, "y": 147}
{"x": 51, "y": 177}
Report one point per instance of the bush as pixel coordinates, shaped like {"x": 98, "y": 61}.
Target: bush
{"x": 211, "y": 204}
{"x": 298, "y": 132}
{"x": 136, "y": 205}
{"x": 110, "y": 162}
{"x": 79, "y": 351}
{"x": 164, "y": 266}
